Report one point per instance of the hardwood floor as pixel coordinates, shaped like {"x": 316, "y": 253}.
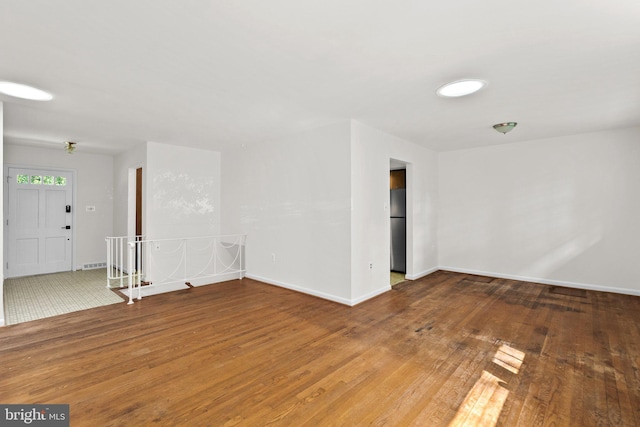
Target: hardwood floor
{"x": 449, "y": 349}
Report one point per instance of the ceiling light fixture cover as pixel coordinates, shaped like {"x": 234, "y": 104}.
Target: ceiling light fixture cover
{"x": 24, "y": 91}
{"x": 70, "y": 146}
{"x": 461, "y": 88}
{"x": 505, "y": 127}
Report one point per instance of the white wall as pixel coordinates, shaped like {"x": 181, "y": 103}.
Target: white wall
{"x": 181, "y": 198}
{"x": 292, "y": 198}
{"x": 2, "y": 228}
{"x": 371, "y": 152}
{"x": 562, "y": 210}
{"x": 318, "y": 201}
{"x": 182, "y": 192}
{"x": 94, "y": 187}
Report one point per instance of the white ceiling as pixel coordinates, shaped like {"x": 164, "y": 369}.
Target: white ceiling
{"x": 210, "y": 74}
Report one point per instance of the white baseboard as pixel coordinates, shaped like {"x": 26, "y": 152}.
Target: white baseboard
{"x": 576, "y": 285}
{"x": 156, "y": 289}
{"x": 355, "y": 301}
{"x": 210, "y": 280}
{"x": 300, "y": 289}
{"x": 180, "y": 285}
{"x": 370, "y": 295}
{"x": 334, "y": 298}
{"x": 422, "y": 274}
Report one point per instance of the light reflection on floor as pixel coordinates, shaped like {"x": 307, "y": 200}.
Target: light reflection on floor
{"x": 484, "y": 402}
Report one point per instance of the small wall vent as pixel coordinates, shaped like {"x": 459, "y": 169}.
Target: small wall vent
{"x": 94, "y": 266}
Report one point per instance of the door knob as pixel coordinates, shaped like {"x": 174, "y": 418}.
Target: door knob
{"x": 66, "y": 227}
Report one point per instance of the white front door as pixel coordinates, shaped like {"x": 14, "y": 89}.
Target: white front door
{"x": 40, "y": 221}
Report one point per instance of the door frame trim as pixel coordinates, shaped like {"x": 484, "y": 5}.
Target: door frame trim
{"x": 5, "y": 209}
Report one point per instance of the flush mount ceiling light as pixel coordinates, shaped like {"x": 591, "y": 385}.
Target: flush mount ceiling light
{"x": 24, "y": 91}
{"x": 461, "y": 88}
{"x": 70, "y": 146}
{"x": 505, "y": 127}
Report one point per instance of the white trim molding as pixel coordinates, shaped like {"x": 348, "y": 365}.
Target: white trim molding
{"x": 421, "y": 274}
{"x": 329, "y": 297}
{"x": 370, "y": 295}
{"x": 575, "y": 285}
{"x": 300, "y": 289}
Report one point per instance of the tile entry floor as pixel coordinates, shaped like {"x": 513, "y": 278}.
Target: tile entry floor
{"x": 397, "y": 278}
{"x": 36, "y": 297}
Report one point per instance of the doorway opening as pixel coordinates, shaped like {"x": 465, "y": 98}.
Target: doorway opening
{"x": 399, "y": 221}
{"x": 135, "y": 205}
{"x": 139, "y": 202}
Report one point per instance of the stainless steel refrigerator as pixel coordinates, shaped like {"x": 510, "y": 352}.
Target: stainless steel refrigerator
{"x": 398, "y": 230}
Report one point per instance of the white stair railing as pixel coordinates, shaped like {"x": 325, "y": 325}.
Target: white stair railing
{"x": 163, "y": 265}
{"x": 117, "y": 267}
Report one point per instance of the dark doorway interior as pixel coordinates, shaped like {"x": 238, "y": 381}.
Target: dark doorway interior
{"x": 398, "y": 208}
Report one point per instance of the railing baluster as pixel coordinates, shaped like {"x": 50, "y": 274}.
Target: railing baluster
{"x": 108, "y": 260}
{"x": 241, "y": 249}
{"x": 116, "y": 256}
{"x": 131, "y": 249}
{"x": 138, "y": 269}
{"x": 119, "y": 245}
{"x": 184, "y": 256}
